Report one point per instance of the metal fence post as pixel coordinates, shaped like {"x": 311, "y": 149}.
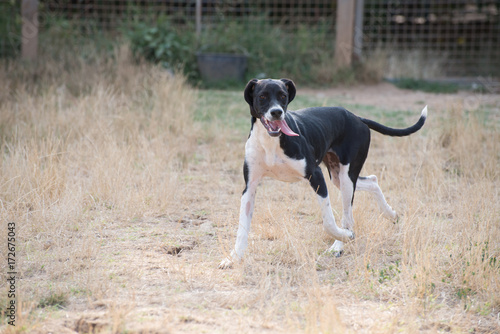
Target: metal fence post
{"x": 198, "y": 18}
{"x": 29, "y": 13}
{"x": 358, "y": 30}
{"x": 344, "y": 32}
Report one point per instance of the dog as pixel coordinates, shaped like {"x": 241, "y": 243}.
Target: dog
{"x": 290, "y": 146}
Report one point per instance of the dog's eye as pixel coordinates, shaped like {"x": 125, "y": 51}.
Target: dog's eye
{"x": 262, "y": 97}
{"x": 283, "y": 96}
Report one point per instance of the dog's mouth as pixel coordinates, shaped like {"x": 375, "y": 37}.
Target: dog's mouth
{"x": 274, "y": 128}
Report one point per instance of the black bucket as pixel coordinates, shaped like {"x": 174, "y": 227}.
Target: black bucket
{"x": 218, "y": 67}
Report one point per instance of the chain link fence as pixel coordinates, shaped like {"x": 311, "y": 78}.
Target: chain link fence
{"x": 438, "y": 37}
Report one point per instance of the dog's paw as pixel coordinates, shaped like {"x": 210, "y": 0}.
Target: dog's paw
{"x": 338, "y": 253}
{"x": 226, "y": 263}
{"x": 337, "y": 249}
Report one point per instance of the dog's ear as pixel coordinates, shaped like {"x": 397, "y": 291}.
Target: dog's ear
{"x": 249, "y": 91}
{"x": 290, "y": 86}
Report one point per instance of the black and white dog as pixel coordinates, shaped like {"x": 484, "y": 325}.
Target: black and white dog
{"x": 290, "y": 145}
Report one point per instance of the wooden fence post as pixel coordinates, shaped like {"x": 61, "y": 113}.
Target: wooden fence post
{"x": 29, "y": 31}
{"x": 344, "y": 32}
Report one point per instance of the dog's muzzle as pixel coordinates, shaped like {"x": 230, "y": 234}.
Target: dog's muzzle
{"x": 275, "y": 128}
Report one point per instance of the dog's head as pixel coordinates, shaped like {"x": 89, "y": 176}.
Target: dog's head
{"x": 268, "y": 100}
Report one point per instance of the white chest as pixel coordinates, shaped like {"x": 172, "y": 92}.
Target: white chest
{"x": 266, "y": 157}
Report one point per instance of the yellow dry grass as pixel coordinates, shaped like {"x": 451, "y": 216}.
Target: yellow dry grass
{"x": 124, "y": 205}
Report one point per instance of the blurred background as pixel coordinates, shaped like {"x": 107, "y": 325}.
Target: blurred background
{"x": 315, "y": 42}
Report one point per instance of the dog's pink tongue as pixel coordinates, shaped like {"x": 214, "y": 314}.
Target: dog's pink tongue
{"x": 285, "y": 128}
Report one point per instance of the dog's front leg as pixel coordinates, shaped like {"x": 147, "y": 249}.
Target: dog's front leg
{"x": 347, "y": 190}
{"x": 246, "y": 212}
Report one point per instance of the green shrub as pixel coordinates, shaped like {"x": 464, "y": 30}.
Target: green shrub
{"x": 10, "y": 29}
{"x": 271, "y": 50}
{"x": 163, "y": 43}
{"x": 305, "y": 55}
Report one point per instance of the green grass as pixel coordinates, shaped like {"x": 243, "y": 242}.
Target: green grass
{"x": 229, "y": 108}
{"x": 426, "y": 86}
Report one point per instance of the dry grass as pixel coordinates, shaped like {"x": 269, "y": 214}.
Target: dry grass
{"x": 124, "y": 206}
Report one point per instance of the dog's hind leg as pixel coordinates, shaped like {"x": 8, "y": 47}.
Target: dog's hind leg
{"x": 318, "y": 184}
{"x": 370, "y": 184}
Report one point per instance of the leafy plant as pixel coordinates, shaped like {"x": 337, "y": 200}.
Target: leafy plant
{"x": 387, "y": 273}
{"x": 306, "y": 54}
{"x": 224, "y": 38}
{"x": 162, "y": 43}
{"x": 273, "y": 51}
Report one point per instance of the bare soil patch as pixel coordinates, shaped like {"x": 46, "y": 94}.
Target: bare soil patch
{"x": 386, "y": 95}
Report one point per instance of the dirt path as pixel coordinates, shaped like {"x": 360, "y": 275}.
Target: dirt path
{"x": 391, "y": 97}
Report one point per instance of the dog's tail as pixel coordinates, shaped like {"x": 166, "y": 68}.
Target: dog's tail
{"x": 385, "y": 130}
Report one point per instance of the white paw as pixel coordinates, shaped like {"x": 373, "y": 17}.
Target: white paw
{"x": 226, "y": 263}
{"x": 337, "y": 248}
{"x": 348, "y": 235}
{"x": 391, "y": 215}
{"x": 229, "y": 261}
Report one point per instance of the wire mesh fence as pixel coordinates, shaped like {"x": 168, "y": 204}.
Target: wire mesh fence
{"x": 110, "y": 15}
{"x": 458, "y": 38}
{"x": 462, "y": 37}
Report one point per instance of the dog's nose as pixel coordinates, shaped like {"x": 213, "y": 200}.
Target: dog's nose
{"x": 276, "y": 113}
